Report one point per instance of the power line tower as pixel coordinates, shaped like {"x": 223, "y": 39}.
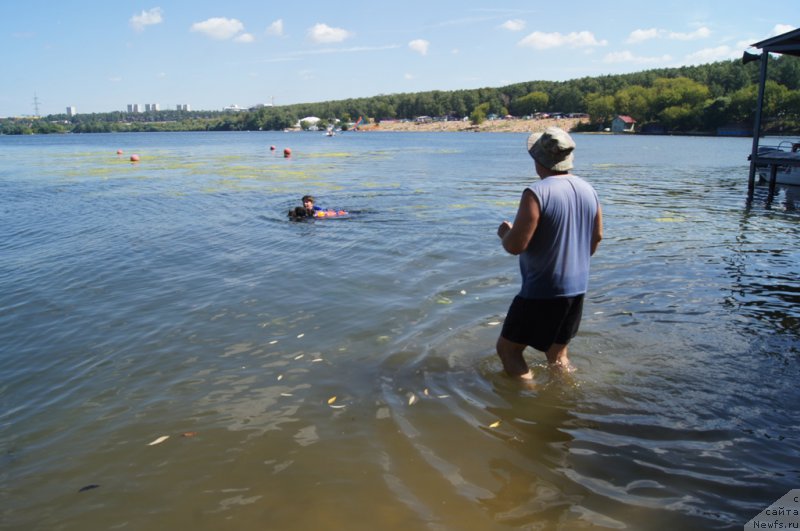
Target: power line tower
{"x": 35, "y": 105}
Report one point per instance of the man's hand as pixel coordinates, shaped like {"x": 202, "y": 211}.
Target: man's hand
{"x": 503, "y": 229}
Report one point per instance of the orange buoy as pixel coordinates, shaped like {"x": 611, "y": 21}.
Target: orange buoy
{"x": 119, "y": 152}
{"x": 287, "y": 152}
{"x": 272, "y": 148}
{"x": 134, "y": 158}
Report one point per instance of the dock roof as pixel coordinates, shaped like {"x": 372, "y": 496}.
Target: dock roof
{"x": 786, "y": 43}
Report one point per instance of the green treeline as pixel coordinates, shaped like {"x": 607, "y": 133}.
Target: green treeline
{"x": 688, "y": 99}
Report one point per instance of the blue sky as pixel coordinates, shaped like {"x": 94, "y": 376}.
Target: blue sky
{"x": 100, "y": 55}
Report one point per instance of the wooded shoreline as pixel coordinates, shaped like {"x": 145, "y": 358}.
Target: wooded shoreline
{"x": 514, "y": 125}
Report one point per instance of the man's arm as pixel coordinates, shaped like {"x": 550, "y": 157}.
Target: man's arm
{"x": 517, "y": 236}
{"x": 597, "y": 233}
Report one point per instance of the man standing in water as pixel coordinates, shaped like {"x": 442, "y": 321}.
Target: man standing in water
{"x": 557, "y": 228}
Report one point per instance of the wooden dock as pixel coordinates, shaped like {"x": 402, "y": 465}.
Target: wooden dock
{"x": 786, "y": 43}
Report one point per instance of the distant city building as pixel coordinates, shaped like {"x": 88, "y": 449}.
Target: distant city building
{"x": 134, "y": 107}
{"x": 260, "y": 106}
{"x": 71, "y": 111}
{"x": 183, "y": 107}
{"x": 151, "y": 107}
{"x": 233, "y": 108}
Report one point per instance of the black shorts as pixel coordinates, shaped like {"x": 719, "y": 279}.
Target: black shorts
{"x": 540, "y": 323}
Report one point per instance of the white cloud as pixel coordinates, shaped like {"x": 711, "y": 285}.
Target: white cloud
{"x": 322, "y": 33}
{"x": 542, "y": 41}
{"x": 513, "y": 25}
{"x": 245, "y": 37}
{"x": 352, "y": 49}
{"x": 641, "y": 35}
{"x": 628, "y": 57}
{"x": 710, "y": 55}
{"x": 699, "y": 33}
{"x": 146, "y": 18}
{"x": 782, "y": 28}
{"x": 219, "y": 28}
{"x": 420, "y": 46}
{"x": 276, "y": 28}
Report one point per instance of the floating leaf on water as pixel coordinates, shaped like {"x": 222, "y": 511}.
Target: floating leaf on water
{"x": 317, "y": 360}
{"x": 412, "y": 400}
{"x": 300, "y": 335}
{"x": 273, "y": 341}
{"x": 337, "y": 406}
{"x": 188, "y": 434}
{"x": 280, "y": 377}
{"x": 443, "y": 300}
{"x": 159, "y": 440}
{"x": 332, "y": 399}
{"x": 598, "y": 313}
{"x": 426, "y": 392}
{"x": 88, "y": 487}
{"x": 494, "y": 424}
{"x": 463, "y": 292}
{"x": 443, "y": 396}
{"x": 287, "y": 394}
{"x": 493, "y": 323}
{"x": 299, "y": 356}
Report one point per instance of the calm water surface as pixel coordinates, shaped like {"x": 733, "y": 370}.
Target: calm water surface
{"x": 340, "y": 374}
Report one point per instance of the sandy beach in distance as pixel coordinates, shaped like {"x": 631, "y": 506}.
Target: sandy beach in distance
{"x": 515, "y": 125}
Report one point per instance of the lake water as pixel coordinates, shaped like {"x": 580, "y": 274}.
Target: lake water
{"x": 340, "y": 374}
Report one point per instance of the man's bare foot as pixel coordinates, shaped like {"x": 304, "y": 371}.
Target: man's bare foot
{"x": 527, "y": 377}
{"x": 563, "y": 365}
{"x": 514, "y": 364}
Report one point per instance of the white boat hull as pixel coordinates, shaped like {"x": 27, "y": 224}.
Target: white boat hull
{"x": 786, "y": 175}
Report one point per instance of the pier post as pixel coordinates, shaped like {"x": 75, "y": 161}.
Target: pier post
{"x": 751, "y": 183}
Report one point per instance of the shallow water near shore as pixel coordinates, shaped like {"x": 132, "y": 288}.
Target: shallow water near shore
{"x": 340, "y": 374}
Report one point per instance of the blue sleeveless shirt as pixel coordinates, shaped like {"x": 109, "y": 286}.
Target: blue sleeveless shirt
{"x": 556, "y": 261}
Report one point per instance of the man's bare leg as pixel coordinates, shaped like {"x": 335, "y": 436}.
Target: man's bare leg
{"x": 557, "y": 357}
{"x": 513, "y": 362}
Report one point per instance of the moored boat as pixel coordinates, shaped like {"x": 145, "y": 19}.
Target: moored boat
{"x": 786, "y": 174}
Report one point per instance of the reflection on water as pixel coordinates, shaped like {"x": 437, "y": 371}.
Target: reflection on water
{"x": 341, "y": 374}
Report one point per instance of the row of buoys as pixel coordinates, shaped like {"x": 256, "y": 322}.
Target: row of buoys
{"x": 133, "y": 158}
{"x": 287, "y": 152}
